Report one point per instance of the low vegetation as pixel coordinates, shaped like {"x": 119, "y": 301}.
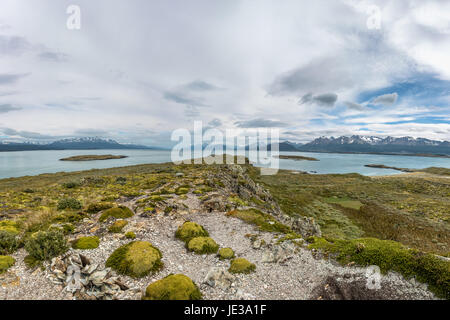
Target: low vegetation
{"x": 121, "y": 212}
{"x": 190, "y": 230}
{"x": 44, "y": 245}
{"x": 241, "y": 265}
{"x": 390, "y": 255}
{"x": 202, "y": 245}
{"x": 117, "y": 226}
{"x": 226, "y": 254}
{"x": 135, "y": 259}
{"x": 86, "y": 243}
{"x": 173, "y": 287}
{"x": 6, "y": 262}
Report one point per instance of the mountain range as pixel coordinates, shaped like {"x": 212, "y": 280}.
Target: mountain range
{"x": 371, "y": 144}
{"x": 88, "y": 143}
{"x": 343, "y": 144}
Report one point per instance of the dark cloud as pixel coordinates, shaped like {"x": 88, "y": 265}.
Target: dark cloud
{"x": 215, "y": 123}
{"x": 326, "y": 99}
{"x": 328, "y": 73}
{"x": 4, "y": 108}
{"x": 181, "y": 98}
{"x": 260, "y": 123}
{"x": 53, "y": 56}
{"x": 25, "y": 134}
{"x": 386, "y": 99}
{"x": 9, "y": 78}
{"x": 200, "y": 85}
{"x": 354, "y": 106}
{"x": 13, "y": 45}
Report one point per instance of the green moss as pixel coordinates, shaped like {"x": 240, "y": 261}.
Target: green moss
{"x": 85, "y": 243}
{"x": 130, "y": 235}
{"x": 173, "y": 287}
{"x": 120, "y": 212}
{"x": 156, "y": 198}
{"x": 190, "y": 230}
{"x": 97, "y": 207}
{"x": 202, "y": 245}
{"x": 390, "y": 255}
{"x": 44, "y": 245}
{"x": 238, "y": 201}
{"x": 9, "y": 226}
{"x": 117, "y": 226}
{"x": 263, "y": 221}
{"x": 226, "y": 253}
{"x": 136, "y": 259}
{"x": 6, "y": 262}
{"x": 182, "y": 190}
{"x": 241, "y": 265}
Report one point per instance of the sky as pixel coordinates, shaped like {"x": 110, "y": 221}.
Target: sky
{"x": 137, "y": 70}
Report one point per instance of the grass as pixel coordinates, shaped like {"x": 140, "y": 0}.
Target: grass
{"x": 412, "y": 210}
{"x": 263, "y": 221}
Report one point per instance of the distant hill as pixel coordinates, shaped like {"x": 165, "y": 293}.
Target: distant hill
{"x": 88, "y": 143}
{"x": 372, "y": 144}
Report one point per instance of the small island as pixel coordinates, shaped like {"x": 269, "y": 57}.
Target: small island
{"x": 93, "y": 157}
{"x": 382, "y": 166}
{"x": 297, "y": 158}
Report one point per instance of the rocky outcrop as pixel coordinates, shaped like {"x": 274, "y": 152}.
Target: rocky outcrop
{"x": 83, "y": 279}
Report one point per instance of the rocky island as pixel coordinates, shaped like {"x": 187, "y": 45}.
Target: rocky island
{"x": 93, "y": 157}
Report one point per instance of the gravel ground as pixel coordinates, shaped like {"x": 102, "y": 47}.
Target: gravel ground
{"x": 301, "y": 276}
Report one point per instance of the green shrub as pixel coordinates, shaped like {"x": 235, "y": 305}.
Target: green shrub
{"x": 117, "y": 226}
{"x": 130, "y": 235}
{"x": 44, "y": 245}
{"x": 97, "y": 207}
{"x": 241, "y": 265}
{"x": 71, "y": 185}
{"x": 190, "y": 230}
{"x": 8, "y": 242}
{"x": 390, "y": 255}
{"x": 120, "y": 212}
{"x": 85, "y": 243}
{"x": 135, "y": 259}
{"x": 6, "y": 262}
{"x": 226, "y": 253}
{"x": 69, "y": 203}
{"x": 201, "y": 245}
{"x": 173, "y": 287}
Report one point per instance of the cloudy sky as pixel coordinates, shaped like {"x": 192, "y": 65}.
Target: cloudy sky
{"x": 136, "y": 70}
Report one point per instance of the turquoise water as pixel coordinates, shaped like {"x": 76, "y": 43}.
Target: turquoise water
{"x": 22, "y": 163}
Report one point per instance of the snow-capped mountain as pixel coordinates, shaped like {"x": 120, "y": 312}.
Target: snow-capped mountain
{"x": 373, "y": 144}
{"x": 85, "y": 143}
